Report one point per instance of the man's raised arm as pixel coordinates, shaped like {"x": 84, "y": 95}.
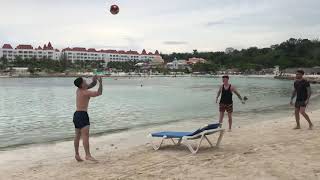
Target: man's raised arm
{"x": 93, "y": 83}
{"x": 95, "y": 93}
{"x": 100, "y": 86}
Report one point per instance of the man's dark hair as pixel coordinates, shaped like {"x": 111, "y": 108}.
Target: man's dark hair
{"x": 225, "y": 76}
{"x": 300, "y": 71}
{"x": 78, "y": 82}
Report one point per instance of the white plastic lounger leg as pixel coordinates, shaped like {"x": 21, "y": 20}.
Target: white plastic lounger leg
{"x": 208, "y": 141}
{"x": 189, "y": 147}
{"x": 199, "y": 144}
{"x": 154, "y": 146}
{"x": 179, "y": 142}
{"x": 192, "y": 150}
{"x": 186, "y": 140}
{"x": 176, "y": 143}
{"x": 220, "y": 138}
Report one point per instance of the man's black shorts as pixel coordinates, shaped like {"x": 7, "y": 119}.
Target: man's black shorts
{"x": 81, "y": 119}
{"x": 299, "y": 104}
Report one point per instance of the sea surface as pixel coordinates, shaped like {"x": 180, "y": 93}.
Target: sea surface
{"x": 40, "y": 110}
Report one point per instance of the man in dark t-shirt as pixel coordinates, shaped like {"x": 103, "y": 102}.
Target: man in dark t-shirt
{"x": 302, "y": 90}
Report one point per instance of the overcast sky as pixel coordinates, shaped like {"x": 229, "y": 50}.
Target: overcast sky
{"x": 166, "y": 25}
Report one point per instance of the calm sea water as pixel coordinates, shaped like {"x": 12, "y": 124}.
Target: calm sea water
{"x": 41, "y": 110}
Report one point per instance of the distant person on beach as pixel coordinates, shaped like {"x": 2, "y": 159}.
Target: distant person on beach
{"x": 302, "y": 90}
{"x": 226, "y": 103}
{"x": 80, "y": 117}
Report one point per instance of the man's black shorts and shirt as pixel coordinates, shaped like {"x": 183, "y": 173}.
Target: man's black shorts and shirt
{"x": 301, "y": 87}
{"x": 226, "y": 103}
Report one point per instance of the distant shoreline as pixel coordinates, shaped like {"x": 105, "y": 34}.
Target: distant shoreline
{"x": 133, "y": 76}
{"x": 312, "y": 78}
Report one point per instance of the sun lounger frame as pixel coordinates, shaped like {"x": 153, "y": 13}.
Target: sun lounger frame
{"x": 186, "y": 140}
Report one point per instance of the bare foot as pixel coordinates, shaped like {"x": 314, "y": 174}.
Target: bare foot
{"x": 297, "y": 127}
{"x": 90, "y": 158}
{"x": 78, "y": 158}
{"x": 311, "y": 127}
{"x": 229, "y": 130}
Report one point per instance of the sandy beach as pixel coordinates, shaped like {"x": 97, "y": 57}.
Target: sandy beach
{"x": 263, "y": 150}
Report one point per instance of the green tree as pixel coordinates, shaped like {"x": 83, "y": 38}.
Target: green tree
{"x": 31, "y": 70}
{"x": 291, "y": 53}
{"x": 195, "y": 52}
{"x": 3, "y": 62}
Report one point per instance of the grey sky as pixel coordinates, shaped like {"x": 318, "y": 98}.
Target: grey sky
{"x": 166, "y": 25}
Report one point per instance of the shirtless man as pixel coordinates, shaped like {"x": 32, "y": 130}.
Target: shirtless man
{"x": 226, "y": 103}
{"x": 80, "y": 117}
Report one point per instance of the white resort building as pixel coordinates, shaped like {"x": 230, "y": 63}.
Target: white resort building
{"x": 74, "y": 54}
{"x": 28, "y": 52}
{"x": 182, "y": 64}
{"x": 91, "y": 54}
{"x": 177, "y": 64}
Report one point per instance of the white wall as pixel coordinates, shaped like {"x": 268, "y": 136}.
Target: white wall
{"x": 8, "y": 53}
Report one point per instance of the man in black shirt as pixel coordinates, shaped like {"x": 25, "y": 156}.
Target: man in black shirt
{"x": 302, "y": 90}
{"x": 226, "y": 102}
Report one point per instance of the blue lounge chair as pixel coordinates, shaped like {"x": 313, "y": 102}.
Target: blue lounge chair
{"x": 185, "y": 137}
